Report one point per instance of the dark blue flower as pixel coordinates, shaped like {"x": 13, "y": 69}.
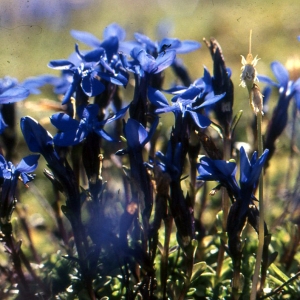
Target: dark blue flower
{"x": 11, "y": 174}
{"x": 136, "y": 135}
{"x": 250, "y": 170}
{"x": 73, "y": 132}
{"x": 224, "y": 172}
{"x": 287, "y": 90}
{"x": 86, "y": 72}
{"x": 26, "y": 165}
{"x": 221, "y": 171}
{"x": 11, "y": 91}
{"x": 81, "y": 76}
{"x": 34, "y": 83}
{"x": 185, "y": 103}
{"x": 113, "y": 40}
{"x": 146, "y": 63}
{"x": 171, "y": 162}
{"x": 166, "y": 43}
{"x": 38, "y": 139}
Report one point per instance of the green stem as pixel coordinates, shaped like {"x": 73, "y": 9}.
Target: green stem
{"x": 261, "y": 214}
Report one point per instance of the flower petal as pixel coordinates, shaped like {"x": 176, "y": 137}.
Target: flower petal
{"x": 188, "y": 46}
{"x": 117, "y": 116}
{"x": 200, "y": 120}
{"x": 157, "y": 98}
{"x": 60, "y": 64}
{"x": 64, "y": 122}
{"x": 14, "y": 94}
{"x": 36, "y": 136}
{"x": 86, "y": 38}
{"x": 28, "y": 163}
{"x": 135, "y": 134}
{"x": 164, "y": 60}
{"x": 281, "y": 73}
{"x": 92, "y": 86}
{"x": 114, "y": 29}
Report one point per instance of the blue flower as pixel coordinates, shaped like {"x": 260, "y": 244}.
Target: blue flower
{"x": 243, "y": 207}
{"x": 26, "y": 165}
{"x": 167, "y": 43}
{"x": 83, "y": 75}
{"x": 224, "y": 172}
{"x": 11, "y": 91}
{"x": 287, "y": 90}
{"x": 146, "y": 63}
{"x": 171, "y": 162}
{"x": 38, "y": 139}
{"x": 73, "y": 131}
{"x": 86, "y": 72}
{"x": 284, "y": 84}
{"x": 185, "y": 103}
{"x": 113, "y": 40}
{"x": 11, "y": 174}
{"x": 136, "y": 135}
{"x": 221, "y": 171}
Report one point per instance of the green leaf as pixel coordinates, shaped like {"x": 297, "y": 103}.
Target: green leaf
{"x": 217, "y": 128}
{"x": 198, "y": 269}
{"x": 279, "y": 273}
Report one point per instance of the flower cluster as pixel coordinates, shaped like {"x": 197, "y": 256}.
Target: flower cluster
{"x": 113, "y": 239}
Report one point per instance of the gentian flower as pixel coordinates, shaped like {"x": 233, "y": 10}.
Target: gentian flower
{"x": 39, "y": 140}
{"x": 11, "y": 174}
{"x": 113, "y": 40}
{"x": 287, "y": 90}
{"x": 86, "y": 73}
{"x": 225, "y": 171}
{"x": 10, "y": 92}
{"x": 167, "y": 43}
{"x": 219, "y": 170}
{"x": 170, "y": 162}
{"x": 173, "y": 44}
{"x": 146, "y": 63}
{"x": 185, "y": 103}
{"x": 136, "y": 135}
{"x": 241, "y": 195}
{"x": 73, "y": 132}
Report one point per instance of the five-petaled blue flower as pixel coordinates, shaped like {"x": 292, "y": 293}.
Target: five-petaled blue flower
{"x": 86, "y": 72}
{"x": 145, "y": 63}
{"x": 288, "y": 89}
{"x": 185, "y": 103}
{"x": 166, "y": 43}
{"x": 136, "y": 135}
{"x": 224, "y": 172}
{"x": 73, "y": 132}
{"x": 11, "y": 174}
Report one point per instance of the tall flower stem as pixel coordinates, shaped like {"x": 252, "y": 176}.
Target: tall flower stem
{"x": 261, "y": 214}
